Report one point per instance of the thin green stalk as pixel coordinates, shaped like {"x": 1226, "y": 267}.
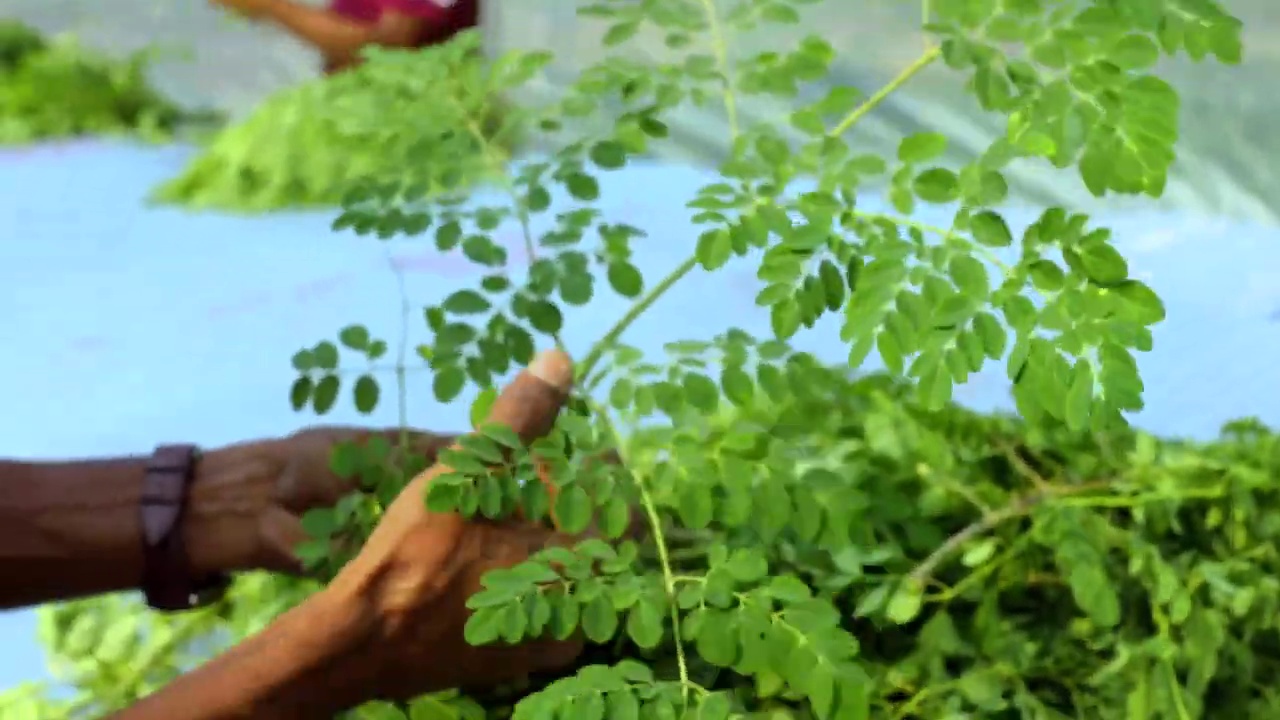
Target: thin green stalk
{"x": 643, "y": 304}
{"x": 402, "y": 362}
{"x": 598, "y": 350}
{"x": 497, "y": 163}
{"x": 720, "y": 48}
{"x": 669, "y": 578}
{"x": 891, "y": 87}
{"x": 669, "y": 581}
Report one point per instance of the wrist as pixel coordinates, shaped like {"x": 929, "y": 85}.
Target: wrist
{"x": 333, "y": 669}
{"x": 328, "y": 646}
{"x": 232, "y": 491}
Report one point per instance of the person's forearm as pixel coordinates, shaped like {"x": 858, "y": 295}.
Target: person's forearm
{"x": 336, "y": 37}
{"x": 69, "y": 529}
{"x": 72, "y": 529}
{"x": 306, "y": 664}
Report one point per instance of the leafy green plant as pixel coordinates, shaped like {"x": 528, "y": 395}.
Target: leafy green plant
{"x": 52, "y": 89}
{"x": 820, "y": 544}
{"x": 305, "y": 146}
{"x": 17, "y": 43}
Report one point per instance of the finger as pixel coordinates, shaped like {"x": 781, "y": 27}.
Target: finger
{"x": 308, "y": 482}
{"x": 529, "y": 405}
{"x": 527, "y": 401}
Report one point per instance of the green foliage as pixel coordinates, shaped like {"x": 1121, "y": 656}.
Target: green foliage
{"x": 821, "y": 544}
{"x": 57, "y": 89}
{"x": 304, "y": 146}
{"x": 17, "y": 43}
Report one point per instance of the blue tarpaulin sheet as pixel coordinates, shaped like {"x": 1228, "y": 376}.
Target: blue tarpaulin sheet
{"x": 125, "y": 326}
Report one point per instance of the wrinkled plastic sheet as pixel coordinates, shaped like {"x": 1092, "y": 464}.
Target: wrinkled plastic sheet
{"x": 1227, "y": 156}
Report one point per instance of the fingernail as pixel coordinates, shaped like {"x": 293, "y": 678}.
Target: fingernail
{"x": 553, "y": 367}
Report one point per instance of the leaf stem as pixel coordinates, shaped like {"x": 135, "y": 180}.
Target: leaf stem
{"x": 598, "y": 350}
{"x": 721, "y": 52}
{"x": 720, "y": 48}
{"x": 924, "y": 61}
{"x": 633, "y": 313}
{"x": 1017, "y": 508}
{"x": 402, "y": 352}
{"x": 944, "y": 233}
{"x": 496, "y": 159}
{"x": 644, "y": 303}
{"x": 669, "y": 578}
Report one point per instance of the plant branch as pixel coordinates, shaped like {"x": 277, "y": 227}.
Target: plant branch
{"x": 944, "y": 233}
{"x": 1017, "y": 508}
{"x": 669, "y": 578}
{"x": 497, "y": 160}
{"x": 633, "y": 313}
{"x": 401, "y": 366}
{"x": 720, "y": 48}
{"x": 497, "y": 163}
{"x": 880, "y": 95}
{"x": 598, "y": 350}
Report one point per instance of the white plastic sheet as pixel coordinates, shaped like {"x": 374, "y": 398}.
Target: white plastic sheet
{"x": 1227, "y": 157}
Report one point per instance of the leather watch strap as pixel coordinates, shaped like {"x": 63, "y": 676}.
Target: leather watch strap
{"x": 167, "y": 577}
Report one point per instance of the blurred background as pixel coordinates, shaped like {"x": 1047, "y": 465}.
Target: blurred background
{"x": 1225, "y": 163}
{"x": 126, "y": 325}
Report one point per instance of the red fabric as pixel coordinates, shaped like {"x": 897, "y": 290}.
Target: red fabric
{"x": 443, "y": 19}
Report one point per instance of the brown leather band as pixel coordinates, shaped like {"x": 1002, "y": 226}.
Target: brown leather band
{"x": 167, "y": 577}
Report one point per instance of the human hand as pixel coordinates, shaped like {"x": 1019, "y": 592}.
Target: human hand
{"x": 252, "y": 9}
{"x": 412, "y": 579}
{"x": 246, "y": 504}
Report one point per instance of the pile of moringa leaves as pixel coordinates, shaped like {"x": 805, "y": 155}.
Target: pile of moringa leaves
{"x": 54, "y": 88}
{"x": 306, "y": 146}
{"x": 996, "y": 570}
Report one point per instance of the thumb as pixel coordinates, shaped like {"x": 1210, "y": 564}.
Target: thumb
{"x": 530, "y": 404}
